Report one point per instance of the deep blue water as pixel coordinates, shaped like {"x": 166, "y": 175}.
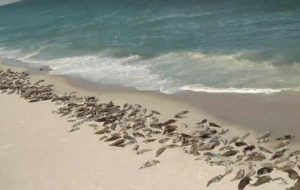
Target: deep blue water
{"x": 166, "y": 45}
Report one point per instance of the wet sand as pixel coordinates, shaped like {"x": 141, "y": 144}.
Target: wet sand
{"x": 279, "y": 113}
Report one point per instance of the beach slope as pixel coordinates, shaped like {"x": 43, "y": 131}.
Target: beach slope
{"x": 37, "y": 152}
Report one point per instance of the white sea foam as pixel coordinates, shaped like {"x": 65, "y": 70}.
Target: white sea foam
{"x": 172, "y": 16}
{"x": 201, "y": 88}
{"x": 172, "y": 72}
{"x": 6, "y": 2}
{"x": 10, "y": 54}
{"x": 126, "y": 71}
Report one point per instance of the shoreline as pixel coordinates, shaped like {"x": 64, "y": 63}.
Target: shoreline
{"x": 255, "y": 113}
{"x": 174, "y": 161}
{"x": 120, "y": 95}
{"x": 276, "y": 112}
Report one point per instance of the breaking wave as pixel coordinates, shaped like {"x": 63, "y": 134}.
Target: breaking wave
{"x": 172, "y": 72}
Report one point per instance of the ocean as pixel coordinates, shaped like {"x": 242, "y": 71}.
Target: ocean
{"x": 233, "y": 46}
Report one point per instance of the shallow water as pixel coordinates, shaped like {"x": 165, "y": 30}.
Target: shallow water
{"x": 170, "y": 46}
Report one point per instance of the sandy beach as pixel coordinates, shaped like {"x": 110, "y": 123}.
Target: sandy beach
{"x": 149, "y": 95}
{"x": 38, "y": 152}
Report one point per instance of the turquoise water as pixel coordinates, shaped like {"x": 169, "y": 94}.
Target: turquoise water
{"x": 205, "y": 45}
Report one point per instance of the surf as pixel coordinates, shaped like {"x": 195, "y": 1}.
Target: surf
{"x": 7, "y": 2}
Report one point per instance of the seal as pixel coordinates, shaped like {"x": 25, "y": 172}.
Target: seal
{"x": 262, "y": 180}
{"x": 149, "y": 140}
{"x": 210, "y": 154}
{"x": 239, "y": 175}
{"x": 155, "y": 112}
{"x": 113, "y": 137}
{"x": 142, "y": 151}
{"x": 215, "y": 179}
{"x": 230, "y": 153}
{"x": 244, "y": 136}
{"x": 285, "y": 137}
{"x": 283, "y": 181}
{"x": 102, "y": 131}
{"x": 282, "y": 144}
{"x": 169, "y": 129}
{"x": 223, "y": 131}
{"x": 228, "y": 170}
{"x": 239, "y": 158}
{"x": 170, "y": 121}
{"x": 292, "y": 174}
{"x": 256, "y": 156}
{"x": 240, "y": 143}
{"x": 212, "y": 124}
{"x": 264, "y": 150}
{"x": 264, "y": 170}
{"x": 296, "y": 186}
{"x": 244, "y": 182}
{"x": 136, "y": 147}
{"x": 150, "y": 163}
{"x": 264, "y": 136}
{"x": 202, "y": 122}
{"x": 248, "y": 148}
{"x": 103, "y": 137}
{"x": 234, "y": 140}
{"x": 117, "y": 142}
{"x": 180, "y": 114}
{"x": 164, "y": 140}
{"x": 295, "y": 153}
{"x": 160, "y": 151}
{"x": 278, "y": 154}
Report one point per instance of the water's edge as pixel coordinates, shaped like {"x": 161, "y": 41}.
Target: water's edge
{"x": 278, "y": 112}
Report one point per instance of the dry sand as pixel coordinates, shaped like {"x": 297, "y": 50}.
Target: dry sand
{"x": 37, "y": 152}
